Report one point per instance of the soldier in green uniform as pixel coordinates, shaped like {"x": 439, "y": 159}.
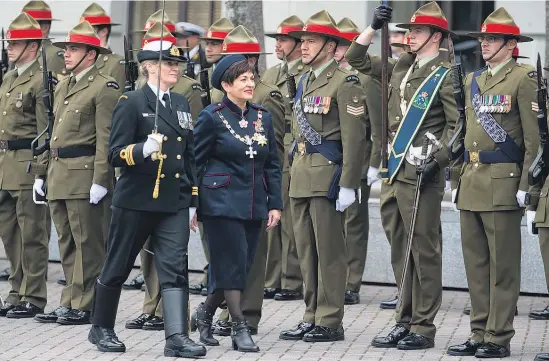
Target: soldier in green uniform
{"x": 242, "y": 41}
{"x": 356, "y": 216}
{"x": 421, "y": 100}
{"x": 283, "y": 280}
{"x": 22, "y": 223}
{"x": 501, "y": 143}
{"x": 78, "y": 173}
{"x": 41, "y": 12}
{"x": 151, "y": 318}
{"x": 328, "y": 126}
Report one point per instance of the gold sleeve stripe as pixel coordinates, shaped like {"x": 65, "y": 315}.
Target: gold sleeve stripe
{"x": 130, "y": 154}
{"x": 194, "y": 191}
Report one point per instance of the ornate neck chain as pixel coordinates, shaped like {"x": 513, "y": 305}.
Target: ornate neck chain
{"x": 258, "y": 137}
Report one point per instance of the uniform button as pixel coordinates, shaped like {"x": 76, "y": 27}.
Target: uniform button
{"x": 178, "y": 156}
{"x": 60, "y": 120}
{"x": 179, "y": 139}
{"x": 8, "y": 95}
{"x": 329, "y": 162}
{"x": 66, "y": 102}
{"x": 475, "y": 165}
{"x": 76, "y": 111}
{"x": 176, "y": 175}
{"x": 86, "y": 166}
{"x": 393, "y": 134}
{"x": 215, "y": 183}
{"x": 512, "y": 174}
{"x": 287, "y": 95}
{"x": 4, "y": 112}
{"x": 397, "y": 118}
{"x": 3, "y": 131}
{"x": 408, "y": 85}
{"x": 475, "y": 144}
{"x": 165, "y": 138}
{"x": 162, "y": 175}
{"x": 54, "y": 138}
{"x": 478, "y": 121}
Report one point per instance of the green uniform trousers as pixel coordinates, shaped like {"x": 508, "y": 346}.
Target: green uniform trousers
{"x": 356, "y": 230}
{"x": 318, "y": 229}
{"x": 491, "y": 244}
{"x": 252, "y": 297}
{"x": 80, "y": 228}
{"x": 422, "y": 288}
{"x": 23, "y": 232}
{"x": 282, "y": 269}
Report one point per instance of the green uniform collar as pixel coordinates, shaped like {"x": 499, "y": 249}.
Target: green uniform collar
{"x": 82, "y": 73}
{"x": 21, "y": 69}
{"x": 292, "y": 63}
{"x": 424, "y": 61}
{"x": 498, "y": 67}
{"x": 322, "y": 68}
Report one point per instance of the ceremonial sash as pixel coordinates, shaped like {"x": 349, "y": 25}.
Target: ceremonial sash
{"x": 490, "y": 125}
{"x": 329, "y": 150}
{"x": 417, "y": 109}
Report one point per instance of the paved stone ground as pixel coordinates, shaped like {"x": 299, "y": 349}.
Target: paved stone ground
{"x": 29, "y": 340}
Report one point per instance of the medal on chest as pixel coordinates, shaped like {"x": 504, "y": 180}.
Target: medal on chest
{"x": 258, "y": 136}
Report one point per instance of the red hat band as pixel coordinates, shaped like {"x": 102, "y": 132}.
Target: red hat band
{"x": 500, "y": 29}
{"x": 170, "y": 39}
{"x": 429, "y": 20}
{"x": 285, "y": 30}
{"x": 97, "y": 20}
{"x": 321, "y": 29}
{"x": 22, "y": 34}
{"x": 242, "y": 48}
{"x": 350, "y": 36}
{"x": 170, "y": 27}
{"x": 217, "y": 34}
{"x": 39, "y": 14}
{"x": 83, "y": 39}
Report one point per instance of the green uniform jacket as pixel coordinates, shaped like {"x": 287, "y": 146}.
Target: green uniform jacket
{"x": 192, "y": 91}
{"x": 311, "y": 174}
{"x": 23, "y": 117}
{"x": 269, "y": 96}
{"x": 441, "y": 118}
{"x": 55, "y": 58}
{"x": 273, "y": 76}
{"x": 82, "y": 117}
{"x": 493, "y": 187}
{"x": 112, "y": 65}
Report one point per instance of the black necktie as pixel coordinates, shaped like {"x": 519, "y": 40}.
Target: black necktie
{"x": 166, "y": 99}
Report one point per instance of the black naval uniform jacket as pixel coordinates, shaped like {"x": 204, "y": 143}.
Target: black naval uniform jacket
{"x": 133, "y": 120}
{"x": 232, "y": 184}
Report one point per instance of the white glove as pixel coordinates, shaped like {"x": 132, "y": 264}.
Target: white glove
{"x": 372, "y": 175}
{"x": 97, "y": 193}
{"x": 152, "y": 144}
{"x": 345, "y": 199}
{"x": 521, "y": 197}
{"x": 37, "y": 188}
{"x": 454, "y": 200}
{"x": 192, "y": 212}
{"x": 530, "y": 215}
{"x": 448, "y": 186}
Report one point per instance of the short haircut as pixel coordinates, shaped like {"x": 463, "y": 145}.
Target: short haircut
{"x": 98, "y": 28}
{"x": 236, "y": 70}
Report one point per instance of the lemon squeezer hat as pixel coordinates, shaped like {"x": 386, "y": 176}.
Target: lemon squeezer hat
{"x": 321, "y": 23}
{"x": 293, "y": 23}
{"x": 154, "y": 43}
{"x": 96, "y": 15}
{"x": 501, "y": 23}
{"x": 83, "y": 34}
{"x": 24, "y": 27}
{"x": 219, "y": 30}
{"x": 241, "y": 41}
{"x": 156, "y": 17}
{"x": 430, "y": 15}
{"x": 39, "y": 10}
{"x": 349, "y": 30}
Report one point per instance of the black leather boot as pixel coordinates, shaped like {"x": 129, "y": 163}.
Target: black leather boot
{"x": 103, "y": 317}
{"x": 242, "y": 340}
{"x": 202, "y": 319}
{"x": 175, "y": 302}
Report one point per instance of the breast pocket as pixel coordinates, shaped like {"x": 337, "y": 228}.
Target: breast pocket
{"x": 75, "y": 116}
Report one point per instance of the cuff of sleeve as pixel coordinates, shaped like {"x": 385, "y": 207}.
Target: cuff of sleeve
{"x": 38, "y": 170}
{"x": 132, "y": 154}
{"x": 194, "y": 202}
{"x": 356, "y": 51}
{"x": 442, "y": 159}
{"x": 272, "y": 204}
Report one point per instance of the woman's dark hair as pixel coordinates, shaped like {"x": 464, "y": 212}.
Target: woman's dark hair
{"x": 236, "y": 70}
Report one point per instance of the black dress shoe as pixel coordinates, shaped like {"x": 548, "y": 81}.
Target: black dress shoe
{"x": 221, "y": 328}
{"x": 5, "y": 274}
{"x": 389, "y": 305}
{"x": 269, "y": 293}
{"x": 324, "y": 334}
{"x": 134, "y": 284}
{"x": 540, "y": 314}
{"x": 105, "y": 339}
{"x": 180, "y": 345}
{"x": 61, "y": 281}
{"x": 415, "y": 341}
{"x": 491, "y": 350}
{"x": 6, "y": 308}
{"x": 155, "y": 323}
{"x": 75, "y": 317}
{"x": 288, "y": 295}
{"x": 253, "y": 330}
{"x": 352, "y": 297}
{"x": 397, "y": 333}
{"x": 542, "y": 357}
{"x": 196, "y": 289}
{"x": 24, "y": 310}
{"x": 137, "y": 323}
{"x": 468, "y": 348}
{"x": 467, "y": 311}
{"x": 52, "y": 316}
{"x": 297, "y": 332}
{"x": 204, "y": 292}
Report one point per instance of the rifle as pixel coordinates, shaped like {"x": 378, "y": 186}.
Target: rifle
{"x": 537, "y": 173}
{"x": 130, "y": 67}
{"x": 190, "y": 64}
{"x": 4, "y": 66}
{"x": 384, "y": 96}
{"x": 455, "y": 145}
{"x": 204, "y": 79}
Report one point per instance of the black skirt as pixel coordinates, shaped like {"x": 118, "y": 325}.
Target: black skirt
{"x": 232, "y": 244}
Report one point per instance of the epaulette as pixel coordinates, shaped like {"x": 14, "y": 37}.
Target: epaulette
{"x": 218, "y": 107}
{"x": 257, "y": 106}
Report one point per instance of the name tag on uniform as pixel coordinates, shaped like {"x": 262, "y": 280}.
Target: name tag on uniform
{"x": 148, "y": 115}
{"x": 185, "y": 120}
